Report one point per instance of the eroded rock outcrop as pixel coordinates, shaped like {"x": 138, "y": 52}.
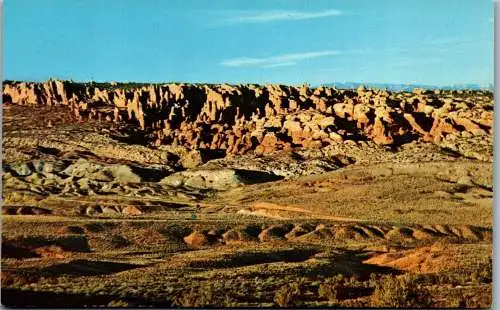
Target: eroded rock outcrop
{"x": 245, "y": 118}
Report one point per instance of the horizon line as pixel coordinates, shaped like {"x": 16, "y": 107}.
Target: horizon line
{"x": 481, "y": 86}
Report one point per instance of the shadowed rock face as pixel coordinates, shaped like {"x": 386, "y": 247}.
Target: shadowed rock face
{"x": 239, "y": 119}
{"x": 218, "y": 178}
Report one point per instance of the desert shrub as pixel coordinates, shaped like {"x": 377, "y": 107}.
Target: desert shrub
{"x": 328, "y": 291}
{"x": 14, "y": 279}
{"x": 195, "y": 297}
{"x": 119, "y": 241}
{"x": 352, "y": 281}
{"x": 288, "y": 295}
{"x": 483, "y": 274}
{"x": 95, "y": 227}
{"x": 475, "y": 277}
{"x": 447, "y": 278}
{"x": 461, "y": 297}
{"x": 75, "y": 230}
{"x": 372, "y": 281}
{"x": 118, "y": 304}
{"x": 455, "y": 299}
{"x": 205, "y": 295}
{"x": 400, "y": 291}
{"x": 337, "y": 279}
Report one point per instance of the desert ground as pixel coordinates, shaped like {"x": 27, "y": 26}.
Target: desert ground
{"x": 183, "y": 195}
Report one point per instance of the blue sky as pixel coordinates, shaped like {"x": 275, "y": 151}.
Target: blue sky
{"x": 262, "y": 41}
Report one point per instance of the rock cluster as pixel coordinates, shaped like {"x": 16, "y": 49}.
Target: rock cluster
{"x": 110, "y": 210}
{"x": 243, "y": 118}
{"x": 328, "y": 231}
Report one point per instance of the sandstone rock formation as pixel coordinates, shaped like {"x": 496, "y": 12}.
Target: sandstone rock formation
{"x": 196, "y": 239}
{"x": 254, "y": 118}
{"x": 131, "y": 210}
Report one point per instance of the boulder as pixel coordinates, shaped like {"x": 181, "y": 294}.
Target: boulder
{"x": 380, "y": 134}
{"x": 91, "y": 211}
{"x": 196, "y": 239}
{"x": 131, "y": 210}
{"x": 122, "y": 174}
{"x": 175, "y": 180}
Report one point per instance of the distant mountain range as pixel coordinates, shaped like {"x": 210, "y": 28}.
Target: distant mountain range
{"x": 408, "y": 87}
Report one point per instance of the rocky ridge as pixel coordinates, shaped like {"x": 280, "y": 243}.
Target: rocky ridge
{"x": 225, "y": 119}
